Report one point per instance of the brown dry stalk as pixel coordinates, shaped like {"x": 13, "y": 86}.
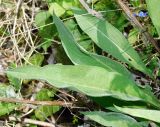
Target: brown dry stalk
{"x": 130, "y": 15}
{"x": 49, "y": 103}
{"x": 90, "y": 11}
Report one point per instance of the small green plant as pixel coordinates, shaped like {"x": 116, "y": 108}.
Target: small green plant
{"x": 105, "y": 80}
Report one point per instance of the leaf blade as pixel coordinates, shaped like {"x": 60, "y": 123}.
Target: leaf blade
{"x": 109, "y": 39}
{"x": 90, "y": 80}
{"x": 112, "y": 119}
{"x": 154, "y": 12}
{"x": 81, "y": 56}
{"x": 153, "y": 115}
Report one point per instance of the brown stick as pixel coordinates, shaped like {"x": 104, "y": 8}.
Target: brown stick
{"x": 49, "y": 103}
{"x": 138, "y": 24}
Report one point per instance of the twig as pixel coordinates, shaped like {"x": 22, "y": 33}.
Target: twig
{"x": 66, "y": 94}
{"x": 49, "y": 103}
{"x": 91, "y": 11}
{"x": 138, "y": 24}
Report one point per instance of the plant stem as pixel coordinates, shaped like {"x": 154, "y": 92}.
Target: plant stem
{"x": 49, "y": 103}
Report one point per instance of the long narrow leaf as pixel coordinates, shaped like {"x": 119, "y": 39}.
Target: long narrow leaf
{"x": 109, "y": 39}
{"x": 90, "y": 80}
{"x": 80, "y": 56}
{"x": 112, "y": 119}
{"x": 154, "y": 12}
{"x": 153, "y": 115}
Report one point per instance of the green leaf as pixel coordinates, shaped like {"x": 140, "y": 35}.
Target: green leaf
{"x": 57, "y": 9}
{"x": 116, "y": 18}
{"x": 109, "y": 39}
{"x": 41, "y": 17}
{"x": 153, "y": 115}
{"x": 6, "y": 91}
{"x": 112, "y": 119}
{"x": 44, "y": 95}
{"x": 36, "y": 59}
{"x": 90, "y": 80}
{"x": 44, "y": 111}
{"x": 6, "y": 108}
{"x": 82, "y": 39}
{"x": 15, "y": 82}
{"x": 107, "y": 102}
{"x": 81, "y": 56}
{"x": 132, "y": 36}
{"x": 154, "y": 12}
{"x": 67, "y": 4}
{"x": 46, "y": 28}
